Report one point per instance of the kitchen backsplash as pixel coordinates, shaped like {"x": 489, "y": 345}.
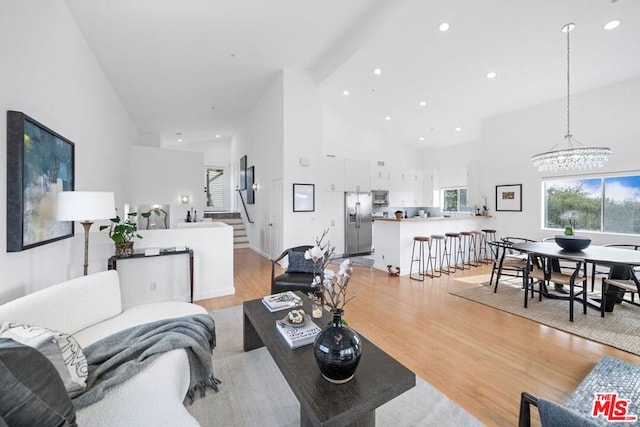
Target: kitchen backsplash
{"x": 388, "y": 212}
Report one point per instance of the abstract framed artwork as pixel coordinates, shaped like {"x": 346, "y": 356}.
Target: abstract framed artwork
{"x": 243, "y": 172}
{"x": 250, "y": 191}
{"x": 509, "y": 198}
{"x": 303, "y": 197}
{"x": 40, "y": 163}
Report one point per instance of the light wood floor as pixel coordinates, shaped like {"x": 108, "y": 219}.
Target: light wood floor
{"x": 480, "y": 357}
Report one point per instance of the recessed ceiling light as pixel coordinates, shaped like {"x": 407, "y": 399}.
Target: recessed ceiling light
{"x": 458, "y": 129}
{"x": 444, "y": 27}
{"x": 421, "y": 138}
{"x": 218, "y": 136}
{"x": 377, "y": 71}
{"x": 387, "y": 118}
{"x": 179, "y": 139}
{"x": 612, "y": 25}
{"x": 491, "y": 75}
{"x": 423, "y": 103}
{"x": 345, "y": 93}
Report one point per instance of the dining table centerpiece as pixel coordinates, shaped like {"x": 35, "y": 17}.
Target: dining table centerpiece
{"x": 337, "y": 348}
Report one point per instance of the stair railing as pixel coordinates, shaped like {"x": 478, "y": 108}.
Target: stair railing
{"x": 244, "y": 206}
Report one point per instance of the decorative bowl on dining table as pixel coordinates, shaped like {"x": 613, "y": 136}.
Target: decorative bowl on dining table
{"x": 573, "y": 243}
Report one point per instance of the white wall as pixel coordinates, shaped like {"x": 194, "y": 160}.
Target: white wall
{"x": 604, "y": 117}
{"x": 303, "y": 138}
{"x": 166, "y": 278}
{"x": 260, "y": 138}
{"x": 355, "y": 139}
{"x": 161, "y": 176}
{"x": 289, "y": 122}
{"x": 453, "y": 162}
{"x": 49, "y": 73}
{"x": 217, "y": 153}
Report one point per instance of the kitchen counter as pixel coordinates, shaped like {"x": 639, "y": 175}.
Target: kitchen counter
{"x": 394, "y": 237}
{"x": 431, "y": 218}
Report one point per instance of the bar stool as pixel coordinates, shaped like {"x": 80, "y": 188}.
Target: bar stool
{"x": 468, "y": 246}
{"x": 420, "y": 241}
{"x": 453, "y": 244}
{"x": 436, "y": 254}
{"x": 488, "y": 235}
{"x": 477, "y": 237}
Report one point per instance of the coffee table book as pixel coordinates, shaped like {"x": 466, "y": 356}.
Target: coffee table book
{"x": 281, "y": 301}
{"x": 298, "y": 337}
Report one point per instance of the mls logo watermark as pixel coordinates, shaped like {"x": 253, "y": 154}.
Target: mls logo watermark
{"x": 612, "y": 408}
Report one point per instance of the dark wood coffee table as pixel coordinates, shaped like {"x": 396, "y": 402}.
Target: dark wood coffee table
{"x": 378, "y": 379}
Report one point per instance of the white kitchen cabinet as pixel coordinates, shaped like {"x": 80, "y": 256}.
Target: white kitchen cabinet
{"x": 380, "y": 177}
{"x": 406, "y": 188}
{"x": 332, "y": 174}
{"x": 357, "y": 175}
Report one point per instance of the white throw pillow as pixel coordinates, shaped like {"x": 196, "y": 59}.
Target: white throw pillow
{"x": 60, "y": 348}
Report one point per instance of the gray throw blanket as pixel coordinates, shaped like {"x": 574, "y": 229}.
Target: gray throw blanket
{"x": 119, "y": 356}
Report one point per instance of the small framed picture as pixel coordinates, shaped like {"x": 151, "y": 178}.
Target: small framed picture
{"x": 509, "y": 198}
{"x": 243, "y": 173}
{"x": 303, "y": 197}
{"x": 250, "y": 191}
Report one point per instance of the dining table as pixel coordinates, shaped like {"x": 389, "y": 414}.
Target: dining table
{"x": 620, "y": 262}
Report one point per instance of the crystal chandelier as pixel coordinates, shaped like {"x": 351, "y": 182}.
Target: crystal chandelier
{"x": 575, "y": 155}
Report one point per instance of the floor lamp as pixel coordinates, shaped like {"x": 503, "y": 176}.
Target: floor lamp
{"x": 86, "y": 207}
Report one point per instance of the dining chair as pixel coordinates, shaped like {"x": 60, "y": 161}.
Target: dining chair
{"x": 614, "y": 289}
{"x": 547, "y": 270}
{"x": 507, "y": 261}
{"x": 594, "y": 266}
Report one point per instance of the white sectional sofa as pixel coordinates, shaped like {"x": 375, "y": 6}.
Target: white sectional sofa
{"x": 90, "y": 308}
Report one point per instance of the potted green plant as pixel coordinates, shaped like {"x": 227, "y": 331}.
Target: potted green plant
{"x": 123, "y": 230}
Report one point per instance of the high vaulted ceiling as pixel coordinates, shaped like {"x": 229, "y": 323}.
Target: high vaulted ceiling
{"x": 192, "y": 69}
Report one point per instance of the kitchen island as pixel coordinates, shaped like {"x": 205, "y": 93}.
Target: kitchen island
{"x": 394, "y": 237}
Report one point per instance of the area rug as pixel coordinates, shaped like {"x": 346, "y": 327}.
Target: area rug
{"x": 360, "y": 261}
{"x": 254, "y": 392}
{"x": 619, "y": 329}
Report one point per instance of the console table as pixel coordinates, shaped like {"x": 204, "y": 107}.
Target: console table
{"x": 138, "y": 254}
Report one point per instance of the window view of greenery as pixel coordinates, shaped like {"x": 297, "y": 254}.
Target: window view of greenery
{"x": 622, "y": 204}
{"x": 455, "y": 200}
{"x": 215, "y": 187}
{"x": 608, "y": 204}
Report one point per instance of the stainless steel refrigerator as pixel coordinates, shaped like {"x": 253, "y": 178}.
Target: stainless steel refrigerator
{"x": 358, "y": 227}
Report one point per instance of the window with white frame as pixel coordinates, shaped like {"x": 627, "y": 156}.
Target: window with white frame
{"x": 455, "y": 200}
{"x": 215, "y": 187}
{"x": 609, "y": 204}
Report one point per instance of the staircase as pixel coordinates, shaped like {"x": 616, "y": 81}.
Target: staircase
{"x": 240, "y": 238}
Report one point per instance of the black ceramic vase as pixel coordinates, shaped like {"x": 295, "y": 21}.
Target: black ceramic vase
{"x": 337, "y": 350}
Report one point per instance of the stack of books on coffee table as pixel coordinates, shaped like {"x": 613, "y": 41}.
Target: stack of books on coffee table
{"x": 281, "y": 301}
{"x": 298, "y": 336}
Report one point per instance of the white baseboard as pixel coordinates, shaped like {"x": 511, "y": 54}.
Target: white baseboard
{"x": 217, "y": 293}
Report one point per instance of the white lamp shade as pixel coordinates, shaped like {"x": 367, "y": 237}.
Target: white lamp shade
{"x": 85, "y": 205}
